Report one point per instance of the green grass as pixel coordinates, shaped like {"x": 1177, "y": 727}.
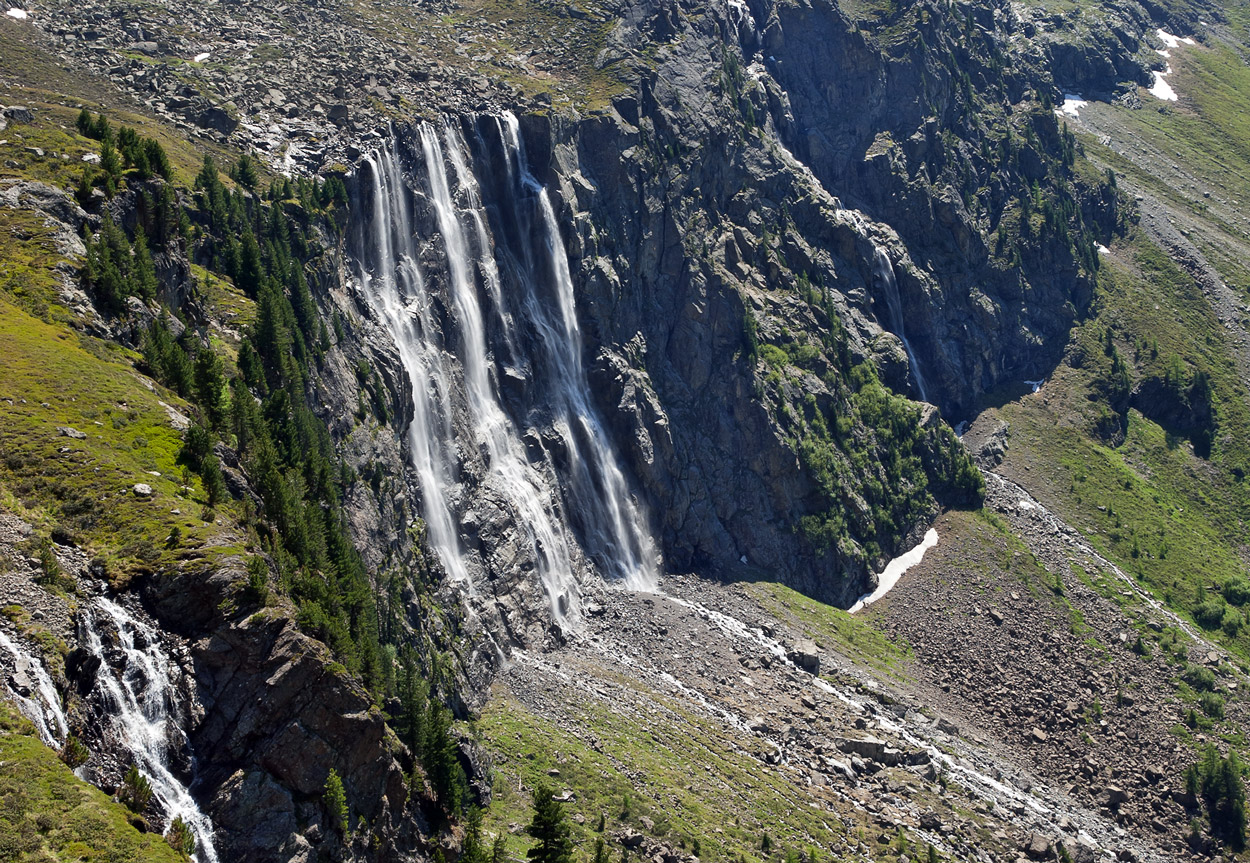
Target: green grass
{"x": 49, "y": 814}
{"x": 693, "y": 778}
{"x": 91, "y": 386}
{"x": 1174, "y": 521}
{"x": 828, "y": 626}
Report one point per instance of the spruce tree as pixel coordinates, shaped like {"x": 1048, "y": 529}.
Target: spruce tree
{"x": 550, "y": 828}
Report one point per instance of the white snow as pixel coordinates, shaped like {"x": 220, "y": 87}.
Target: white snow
{"x": 1162, "y": 89}
{"x": 1103, "y": 250}
{"x": 1071, "y": 104}
{"x": 894, "y": 571}
{"x": 200, "y": 58}
{"x": 1173, "y": 41}
{"x": 1036, "y": 385}
{"x": 17, "y": 14}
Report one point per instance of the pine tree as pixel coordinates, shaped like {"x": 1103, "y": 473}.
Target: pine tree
{"x": 135, "y": 790}
{"x": 472, "y": 850}
{"x": 335, "y": 798}
{"x": 143, "y": 278}
{"x": 550, "y": 828}
{"x": 210, "y": 387}
{"x": 245, "y": 173}
{"x": 180, "y": 837}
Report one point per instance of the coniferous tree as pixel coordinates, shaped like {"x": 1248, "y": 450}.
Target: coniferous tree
{"x": 335, "y": 797}
{"x": 550, "y": 828}
{"x": 473, "y": 850}
{"x": 210, "y": 387}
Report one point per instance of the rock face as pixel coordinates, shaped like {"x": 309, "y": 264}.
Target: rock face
{"x": 771, "y": 200}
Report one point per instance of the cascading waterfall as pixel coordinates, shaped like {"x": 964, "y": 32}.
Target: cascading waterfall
{"x": 510, "y": 309}
{"x": 615, "y": 533}
{"x": 45, "y": 711}
{"x": 520, "y": 483}
{"x": 139, "y": 696}
{"x": 883, "y": 271}
{"x": 387, "y": 267}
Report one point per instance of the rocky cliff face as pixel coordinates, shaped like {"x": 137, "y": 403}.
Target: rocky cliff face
{"x": 774, "y": 209}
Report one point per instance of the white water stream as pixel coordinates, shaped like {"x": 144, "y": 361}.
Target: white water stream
{"x": 883, "y": 276}
{"x": 45, "y": 710}
{"x": 139, "y": 695}
{"x": 510, "y": 309}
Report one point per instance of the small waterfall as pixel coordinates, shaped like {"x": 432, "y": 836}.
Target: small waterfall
{"x": 139, "y": 695}
{"x": 31, "y": 679}
{"x": 883, "y": 274}
{"x": 508, "y": 309}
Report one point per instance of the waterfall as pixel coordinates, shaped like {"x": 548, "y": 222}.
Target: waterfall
{"x": 506, "y": 292}
{"x": 883, "y": 274}
{"x": 387, "y": 267}
{"x": 615, "y": 527}
{"x": 138, "y": 694}
{"x": 31, "y": 678}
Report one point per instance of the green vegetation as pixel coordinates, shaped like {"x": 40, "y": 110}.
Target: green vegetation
{"x": 335, "y": 799}
{"x": 1219, "y": 781}
{"x": 47, "y": 813}
{"x": 549, "y": 829}
{"x": 638, "y": 755}
{"x": 135, "y": 791}
{"x": 853, "y": 636}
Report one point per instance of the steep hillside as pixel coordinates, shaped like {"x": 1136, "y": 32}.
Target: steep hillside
{"x": 409, "y": 407}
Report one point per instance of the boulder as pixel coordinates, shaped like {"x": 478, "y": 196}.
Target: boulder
{"x": 217, "y": 119}
{"x": 1038, "y": 847}
{"x": 803, "y": 654}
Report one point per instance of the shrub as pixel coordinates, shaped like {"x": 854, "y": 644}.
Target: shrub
{"x": 135, "y": 791}
{"x": 1212, "y": 705}
{"x": 180, "y": 837}
{"x": 1201, "y": 679}
{"x": 74, "y": 753}
{"x": 1210, "y": 613}
{"x": 1237, "y": 591}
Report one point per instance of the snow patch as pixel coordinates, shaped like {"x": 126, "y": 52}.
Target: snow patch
{"x": 1173, "y": 41}
{"x": 1103, "y": 250}
{"x": 200, "y": 58}
{"x": 17, "y": 14}
{"x": 1162, "y": 89}
{"x": 1072, "y": 103}
{"x": 894, "y": 570}
{"x": 1036, "y": 385}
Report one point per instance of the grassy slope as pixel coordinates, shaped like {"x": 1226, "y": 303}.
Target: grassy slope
{"x": 57, "y": 378}
{"x": 49, "y": 814}
{"x": 694, "y": 778}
